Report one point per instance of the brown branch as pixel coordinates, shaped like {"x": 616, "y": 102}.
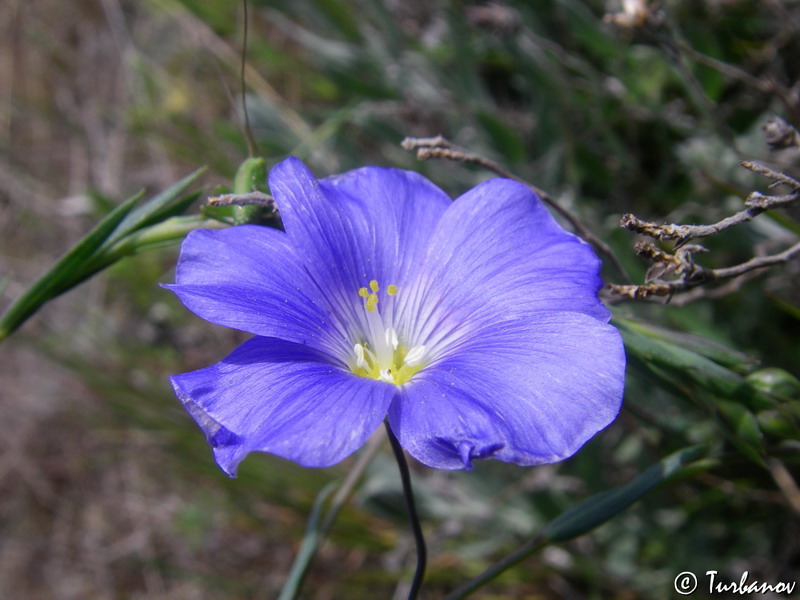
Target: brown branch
{"x": 255, "y": 198}
{"x": 776, "y": 176}
{"x": 695, "y": 277}
{"x": 756, "y": 203}
{"x": 680, "y": 263}
{"x": 440, "y": 147}
{"x": 758, "y": 263}
{"x": 684, "y": 233}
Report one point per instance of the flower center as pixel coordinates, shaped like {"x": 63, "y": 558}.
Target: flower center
{"x": 380, "y": 354}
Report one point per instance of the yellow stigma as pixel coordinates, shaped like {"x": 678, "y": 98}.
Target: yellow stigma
{"x": 373, "y": 285}
{"x": 391, "y": 289}
{"x": 363, "y": 292}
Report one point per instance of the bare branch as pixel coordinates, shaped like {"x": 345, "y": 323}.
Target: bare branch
{"x": 774, "y": 175}
{"x": 255, "y": 198}
{"x": 440, "y": 147}
{"x": 689, "y": 277}
{"x": 755, "y": 204}
{"x": 684, "y": 233}
{"x": 693, "y": 278}
{"x": 758, "y": 263}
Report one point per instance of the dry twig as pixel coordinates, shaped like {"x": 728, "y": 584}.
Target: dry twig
{"x": 255, "y": 198}
{"x": 680, "y": 263}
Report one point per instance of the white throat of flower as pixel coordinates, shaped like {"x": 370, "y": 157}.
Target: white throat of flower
{"x": 381, "y": 355}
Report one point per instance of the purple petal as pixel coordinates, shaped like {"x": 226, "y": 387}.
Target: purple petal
{"x": 371, "y": 223}
{"x": 250, "y": 278}
{"x": 497, "y": 247}
{"x": 521, "y": 391}
{"x": 273, "y": 396}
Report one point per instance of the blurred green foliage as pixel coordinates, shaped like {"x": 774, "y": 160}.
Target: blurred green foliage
{"x": 608, "y": 120}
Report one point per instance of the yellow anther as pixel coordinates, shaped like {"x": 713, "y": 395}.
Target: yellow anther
{"x": 391, "y": 290}
{"x": 363, "y": 292}
{"x": 373, "y": 285}
{"x": 372, "y": 302}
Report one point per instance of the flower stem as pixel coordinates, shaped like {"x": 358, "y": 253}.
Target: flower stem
{"x": 411, "y": 508}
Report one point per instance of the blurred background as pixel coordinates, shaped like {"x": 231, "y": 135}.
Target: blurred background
{"x": 107, "y": 488}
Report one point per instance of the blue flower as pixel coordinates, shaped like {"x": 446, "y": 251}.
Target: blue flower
{"x": 473, "y": 324}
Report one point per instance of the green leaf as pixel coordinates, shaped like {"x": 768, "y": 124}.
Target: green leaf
{"x": 676, "y": 364}
{"x": 732, "y": 359}
{"x": 174, "y": 210}
{"x": 122, "y": 232}
{"x": 153, "y": 210}
{"x": 747, "y": 433}
{"x": 162, "y": 234}
{"x": 67, "y": 272}
{"x": 308, "y": 546}
{"x": 595, "y": 511}
{"x": 601, "y": 507}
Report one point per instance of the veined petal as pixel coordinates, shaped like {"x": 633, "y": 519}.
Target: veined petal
{"x": 497, "y": 247}
{"x": 367, "y": 224}
{"x": 521, "y": 391}
{"x": 399, "y": 211}
{"x": 251, "y": 278}
{"x": 273, "y": 396}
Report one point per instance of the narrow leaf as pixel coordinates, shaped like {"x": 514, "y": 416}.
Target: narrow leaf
{"x": 67, "y": 271}
{"x": 151, "y": 211}
{"x": 747, "y": 433}
{"x": 308, "y": 546}
{"x": 595, "y": 511}
{"x": 162, "y": 234}
{"x": 738, "y": 361}
{"x": 601, "y": 507}
{"x": 171, "y": 210}
{"x": 680, "y": 363}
